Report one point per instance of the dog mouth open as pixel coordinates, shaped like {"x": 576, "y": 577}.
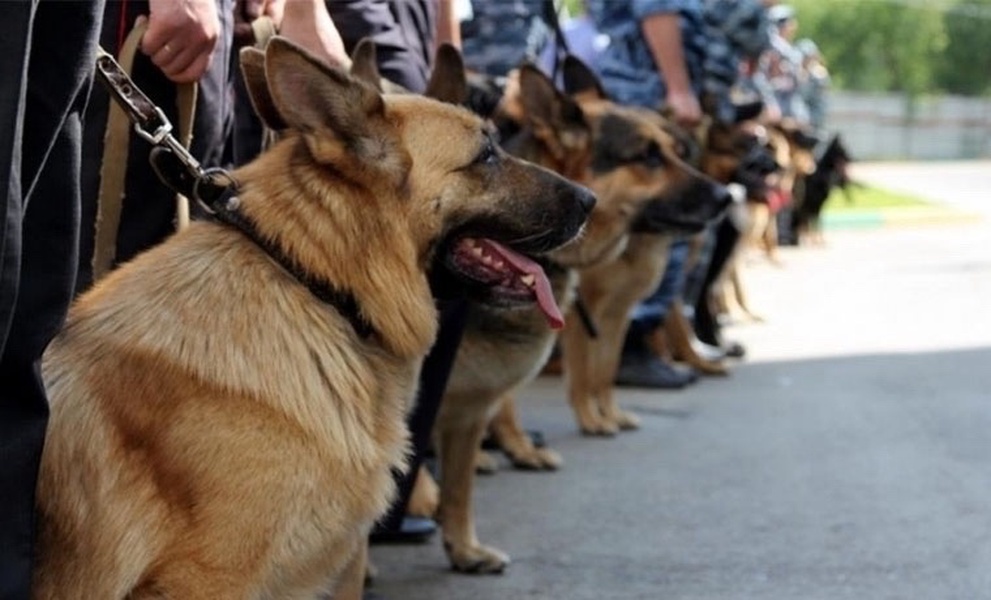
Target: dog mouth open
{"x": 507, "y": 276}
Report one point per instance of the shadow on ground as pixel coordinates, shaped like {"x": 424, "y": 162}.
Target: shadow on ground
{"x": 850, "y": 477}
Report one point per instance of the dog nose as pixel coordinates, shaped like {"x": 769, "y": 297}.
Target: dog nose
{"x": 723, "y": 195}
{"x": 586, "y": 199}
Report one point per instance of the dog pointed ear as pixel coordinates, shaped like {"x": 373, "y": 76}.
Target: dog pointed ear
{"x": 748, "y": 111}
{"x": 543, "y": 104}
{"x": 312, "y": 96}
{"x": 342, "y": 119}
{"x": 252, "y": 62}
{"x": 364, "y": 63}
{"x": 448, "y": 82}
{"x": 580, "y": 81}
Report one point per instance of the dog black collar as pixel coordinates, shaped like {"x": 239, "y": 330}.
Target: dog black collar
{"x": 216, "y": 191}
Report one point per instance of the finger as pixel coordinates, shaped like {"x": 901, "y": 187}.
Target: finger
{"x": 194, "y": 71}
{"x": 177, "y": 62}
{"x": 165, "y": 55}
{"x": 154, "y": 38}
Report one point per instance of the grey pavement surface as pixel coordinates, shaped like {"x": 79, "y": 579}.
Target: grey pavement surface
{"x": 849, "y": 456}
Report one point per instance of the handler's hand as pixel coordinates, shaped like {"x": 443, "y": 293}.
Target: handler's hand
{"x": 685, "y": 108}
{"x": 181, "y": 37}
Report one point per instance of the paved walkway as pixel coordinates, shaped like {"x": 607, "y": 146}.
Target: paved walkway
{"x": 848, "y": 457}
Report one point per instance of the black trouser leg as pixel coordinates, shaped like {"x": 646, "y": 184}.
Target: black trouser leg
{"x": 706, "y": 325}
{"x": 56, "y": 40}
{"x": 433, "y": 381}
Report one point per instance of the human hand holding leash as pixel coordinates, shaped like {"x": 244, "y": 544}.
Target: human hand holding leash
{"x": 181, "y": 37}
{"x": 684, "y": 108}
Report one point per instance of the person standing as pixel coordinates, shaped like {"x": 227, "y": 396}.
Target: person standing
{"x": 47, "y": 57}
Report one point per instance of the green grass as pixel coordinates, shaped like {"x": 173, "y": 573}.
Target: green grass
{"x": 865, "y": 198}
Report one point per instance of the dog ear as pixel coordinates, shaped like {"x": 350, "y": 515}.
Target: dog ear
{"x": 342, "y": 119}
{"x": 252, "y": 62}
{"x": 311, "y": 95}
{"x": 553, "y": 118}
{"x": 364, "y": 63}
{"x": 448, "y": 82}
{"x": 543, "y": 104}
{"x": 748, "y": 111}
{"x": 580, "y": 81}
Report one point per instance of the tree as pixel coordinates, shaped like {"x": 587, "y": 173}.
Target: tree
{"x": 876, "y": 45}
{"x": 965, "y": 65}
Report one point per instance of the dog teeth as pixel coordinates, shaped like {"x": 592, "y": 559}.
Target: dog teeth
{"x": 528, "y": 280}
{"x": 498, "y": 264}
{"x": 477, "y": 251}
{"x": 487, "y": 260}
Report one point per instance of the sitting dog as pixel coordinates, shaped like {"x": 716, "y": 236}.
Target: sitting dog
{"x": 627, "y": 158}
{"x": 830, "y": 173}
{"x": 228, "y": 407}
{"x": 687, "y": 200}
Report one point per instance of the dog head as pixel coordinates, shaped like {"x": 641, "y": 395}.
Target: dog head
{"x": 370, "y": 192}
{"x": 739, "y": 151}
{"x": 625, "y": 155}
{"x": 794, "y": 147}
{"x": 641, "y": 156}
{"x": 834, "y": 161}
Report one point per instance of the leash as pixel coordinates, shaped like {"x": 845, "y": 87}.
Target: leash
{"x": 561, "y": 49}
{"x": 214, "y": 189}
{"x": 587, "y": 322}
{"x": 113, "y": 171}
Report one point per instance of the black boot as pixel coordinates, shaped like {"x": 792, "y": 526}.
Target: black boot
{"x": 642, "y": 368}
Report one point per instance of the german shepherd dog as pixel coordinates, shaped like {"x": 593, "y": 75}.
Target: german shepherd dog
{"x": 792, "y": 146}
{"x": 224, "y": 427}
{"x": 583, "y": 135}
{"x": 611, "y": 289}
{"x": 830, "y": 173}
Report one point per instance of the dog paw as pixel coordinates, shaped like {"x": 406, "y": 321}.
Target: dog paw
{"x": 627, "y": 421}
{"x": 478, "y": 559}
{"x": 537, "y": 459}
{"x": 601, "y": 429}
{"x": 486, "y": 463}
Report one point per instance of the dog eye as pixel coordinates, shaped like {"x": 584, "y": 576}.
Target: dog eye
{"x": 652, "y": 156}
{"x": 487, "y": 155}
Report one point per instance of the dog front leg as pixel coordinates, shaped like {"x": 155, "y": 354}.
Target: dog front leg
{"x": 576, "y": 355}
{"x": 515, "y": 442}
{"x": 351, "y": 584}
{"x": 608, "y": 349}
{"x": 457, "y": 443}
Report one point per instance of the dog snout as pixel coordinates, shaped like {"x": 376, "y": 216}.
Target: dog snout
{"x": 722, "y": 195}
{"x": 585, "y": 198}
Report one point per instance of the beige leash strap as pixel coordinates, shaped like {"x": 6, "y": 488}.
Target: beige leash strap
{"x": 264, "y": 30}
{"x": 186, "y": 101}
{"x": 113, "y": 171}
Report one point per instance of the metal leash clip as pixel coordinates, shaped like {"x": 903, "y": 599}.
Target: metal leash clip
{"x": 151, "y": 124}
{"x": 149, "y": 121}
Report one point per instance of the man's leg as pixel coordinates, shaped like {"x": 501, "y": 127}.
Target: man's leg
{"x": 41, "y": 267}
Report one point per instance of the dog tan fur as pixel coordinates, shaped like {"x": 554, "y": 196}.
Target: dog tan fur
{"x": 217, "y": 430}
{"x": 625, "y": 156}
{"x": 611, "y": 289}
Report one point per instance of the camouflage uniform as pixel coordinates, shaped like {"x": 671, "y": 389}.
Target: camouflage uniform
{"x": 735, "y": 29}
{"x": 626, "y": 66}
{"x": 502, "y": 34}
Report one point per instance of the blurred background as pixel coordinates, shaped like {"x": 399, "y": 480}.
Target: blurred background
{"x": 910, "y": 79}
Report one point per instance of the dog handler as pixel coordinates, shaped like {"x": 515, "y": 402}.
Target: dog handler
{"x": 47, "y": 54}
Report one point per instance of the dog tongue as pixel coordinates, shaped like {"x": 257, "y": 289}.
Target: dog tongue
{"x": 526, "y": 266}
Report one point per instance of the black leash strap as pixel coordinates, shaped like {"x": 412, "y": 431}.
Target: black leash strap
{"x": 587, "y": 322}
{"x": 561, "y": 49}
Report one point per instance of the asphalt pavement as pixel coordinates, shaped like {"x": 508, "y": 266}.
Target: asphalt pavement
{"x": 848, "y": 456}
